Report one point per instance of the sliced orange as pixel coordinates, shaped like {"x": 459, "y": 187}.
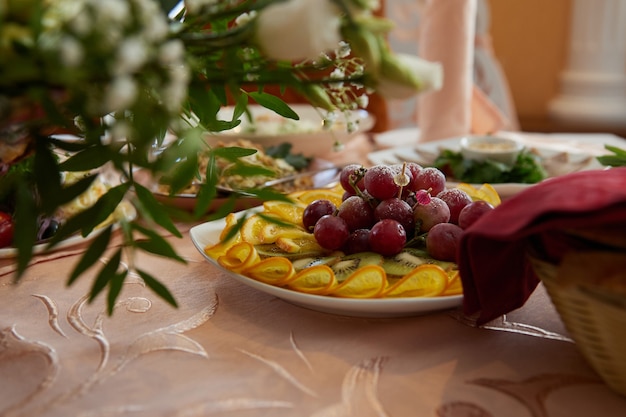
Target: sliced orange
{"x": 486, "y": 192}
{"x": 455, "y": 286}
{"x": 258, "y": 230}
{"x": 289, "y": 212}
{"x": 275, "y": 271}
{"x": 308, "y": 196}
{"x": 239, "y": 257}
{"x": 303, "y": 244}
{"x": 220, "y": 248}
{"x": 427, "y": 280}
{"x": 318, "y": 279}
{"x": 366, "y": 282}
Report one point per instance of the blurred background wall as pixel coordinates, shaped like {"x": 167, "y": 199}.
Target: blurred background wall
{"x": 530, "y": 39}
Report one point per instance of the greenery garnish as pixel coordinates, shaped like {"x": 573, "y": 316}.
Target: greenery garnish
{"x": 527, "y": 169}
{"x": 283, "y": 151}
{"x": 618, "y": 159}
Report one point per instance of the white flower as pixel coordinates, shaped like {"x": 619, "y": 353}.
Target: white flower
{"x": 245, "y": 18}
{"x": 111, "y": 10}
{"x": 120, "y": 94}
{"x": 363, "y": 100}
{"x": 175, "y": 92}
{"x": 131, "y": 55}
{"x": 171, "y": 52}
{"x": 403, "y": 76}
{"x": 71, "y": 51}
{"x": 297, "y": 30}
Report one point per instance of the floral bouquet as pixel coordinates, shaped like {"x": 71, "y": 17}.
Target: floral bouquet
{"x": 121, "y": 74}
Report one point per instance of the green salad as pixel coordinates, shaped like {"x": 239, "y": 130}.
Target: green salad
{"x": 527, "y": 169}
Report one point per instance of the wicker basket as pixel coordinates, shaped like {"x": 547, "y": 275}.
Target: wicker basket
{"x": 597, "y": 326}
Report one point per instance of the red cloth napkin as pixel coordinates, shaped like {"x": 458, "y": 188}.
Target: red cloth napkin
{"x": 497, "y": 277}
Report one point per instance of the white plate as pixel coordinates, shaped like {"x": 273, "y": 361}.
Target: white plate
{"x": 307, "y": 135}
{"x": 555, "y": 161}
{"x": 208, "y": 234}
{"x": 66, "y": 243}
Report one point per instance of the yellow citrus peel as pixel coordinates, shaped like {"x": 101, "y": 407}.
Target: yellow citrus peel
{"x": 426, "y": 280}
{"x": 486, "y": 192}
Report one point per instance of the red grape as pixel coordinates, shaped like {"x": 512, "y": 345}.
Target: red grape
{"x": 351, "y": 173}
{"x": 357, "y": 242}
{"x": 397, "y": 209}
{"x": 455, "y": 199}
{"x": 414, "y": 169}
{"x": 442, "y": 241}
{"x": 357, "y": 213}
{"x": 472, "y": 212}
{"x": 331, "y": 232}
{"x": 430, "y": 178}
{"x": 427, "y": 215}
{"x": 379, "y": 182}
{"x": 387, "y": 237}
{"x": 314, "y": 211}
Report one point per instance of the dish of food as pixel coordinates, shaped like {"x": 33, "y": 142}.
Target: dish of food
{"x": 554, "y": 162}
{"x": 125, "y": 210}
{"x": 318, "y": 173}
{"x": 208, "y": 233}
{"x": 309, "y": 135}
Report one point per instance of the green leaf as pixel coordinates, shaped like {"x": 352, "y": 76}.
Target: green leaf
{"x": 92, "y": 254}
{"x": 617, "y": 159}
{"x": 106, "y": 274}
{"x": 70, "y": 192}
{"x": 47, "y": 175}
{"x": 155, "y": 244}
{"x": 115, "y": 288}
{"x": 25, "y": 232}
{"x": 266, "y": 194}
{"x": 157, "y": 287}
{"x": 155, "y": 210}
{"x": 88, "y": 159}
{"x": 275, "y": 104}
{"x": 232, "y": 153}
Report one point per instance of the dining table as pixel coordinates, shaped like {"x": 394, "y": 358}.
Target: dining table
{"x": 229, "y": 349}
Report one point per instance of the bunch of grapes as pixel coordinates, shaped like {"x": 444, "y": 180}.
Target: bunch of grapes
{"x": 384, "y": 207}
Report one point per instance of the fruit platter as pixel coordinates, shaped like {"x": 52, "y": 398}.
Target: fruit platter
{"x": 381, "y": 241}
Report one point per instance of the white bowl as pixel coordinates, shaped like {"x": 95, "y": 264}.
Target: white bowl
{"x": 494, "y": 148}
{"x": 307, "y": 136}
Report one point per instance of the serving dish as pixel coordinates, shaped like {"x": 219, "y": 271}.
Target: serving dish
{"x": 556, "y": 162}
{"x": 322, "y": 173}
{"x": 128, "y": 211}
{"x": 308, "y": 136}
{"x": 208, "y": 234}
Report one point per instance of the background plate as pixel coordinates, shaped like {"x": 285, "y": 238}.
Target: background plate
{"x": 208, "y": 233}
{"x": 556, "y": 157}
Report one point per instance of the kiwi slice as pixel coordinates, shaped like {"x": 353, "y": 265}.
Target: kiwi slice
{"x": 309, "y": 261}
{"x": 409, "y": 259}
{"x": 346, "y": 265}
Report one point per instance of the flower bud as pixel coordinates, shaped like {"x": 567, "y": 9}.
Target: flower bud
{"x": 403, "y": 76}
{"x": 318, "y": 97}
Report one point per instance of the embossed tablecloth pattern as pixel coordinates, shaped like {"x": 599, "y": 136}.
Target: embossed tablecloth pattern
{"x": 231, "y": 350}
